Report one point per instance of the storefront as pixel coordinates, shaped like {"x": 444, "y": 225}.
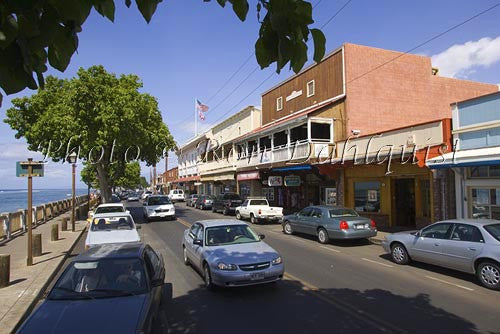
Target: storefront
{"x": 249, "y": 184}
{"x": 217, "y": 184}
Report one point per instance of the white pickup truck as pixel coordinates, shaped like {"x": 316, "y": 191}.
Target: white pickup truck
{"x": 258, "y": 210}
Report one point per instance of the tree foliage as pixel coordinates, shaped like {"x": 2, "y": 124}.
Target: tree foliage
{"x": 131, "y": 177}
{"x": 104, "y": 118}
{"x": 34, "y": 32}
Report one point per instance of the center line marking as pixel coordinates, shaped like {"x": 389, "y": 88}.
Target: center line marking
{"x": 449, "y": 283}
{"x": 376, "y": 262}
{"x": 183, "y": 222}
{"x": 330, "y": 249}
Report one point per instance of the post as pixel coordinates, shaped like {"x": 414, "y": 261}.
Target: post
{"x": 73, "y": 197}
{"x": 54, "y": 233}
{"x": 4, "y": 270}
{"x": 88, "y": 195}
{"x": 64, "y": 224}
{"x": 37, "y": 245}
{"x": 29, "y": 216}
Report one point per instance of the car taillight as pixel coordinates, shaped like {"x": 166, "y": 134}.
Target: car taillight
{"x": 344, "y": 225}
{"x": 204, "y": 201}
{"x": 372, "y": 224}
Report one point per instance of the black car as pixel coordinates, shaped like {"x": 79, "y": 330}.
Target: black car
{"x": 204, "y": 202}
{"x": 115, "y": 199}
{"x": 226, "y": 203}
{"x": 113, "y": 288}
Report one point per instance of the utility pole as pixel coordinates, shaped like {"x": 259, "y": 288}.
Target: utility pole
{"x": 29, "y": 216}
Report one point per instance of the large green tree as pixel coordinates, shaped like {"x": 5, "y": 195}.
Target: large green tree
{"x": 102, "y": 117}
{"x": 131, "y": 177}
{"x": 34, "y": 32}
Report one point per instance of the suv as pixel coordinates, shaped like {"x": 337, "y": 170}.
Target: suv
{"x": 226, "y": 203}
{"x": 176, "y": 195}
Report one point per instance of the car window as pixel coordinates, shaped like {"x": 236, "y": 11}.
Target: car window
{"x": 230, "y": 235}
{"x": 199, "y": 233}
{"x": 109, "y": 209}
{"x": 465, "y": 232}
{"x": 494, "y": 230}
{"x": 194, "y": 230}
{"x": 305, "y": 212}
{"x": 335, "y": 213}
{"x": 316, "y": 213}
{"x": 245, "y": 203}
{"x": 160, "y": 200}
{"x": 437, "y": 231}
{"x": 153, "y": 258}
{"x": 181, "y": 192}
{"x": 112, "y": 223}
{"x": 258, "y": 202}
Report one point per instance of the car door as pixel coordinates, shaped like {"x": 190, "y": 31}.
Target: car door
{"x": 428, "y": 245}
{"x": 312, "y": 222}
{"x": 158, "y": 275}
{"x": 244, "y": 209}
{"x": 198, "y": 249}
{"x": 189, "y": 239}
{"x": 465, "y": 244}
{"x": 301, "y": 220}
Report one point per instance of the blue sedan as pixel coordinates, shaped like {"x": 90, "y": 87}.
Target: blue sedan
{"x": 329, "y": 222}
{"x": 113, "y": 288}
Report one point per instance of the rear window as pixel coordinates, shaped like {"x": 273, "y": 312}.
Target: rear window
{"x": 109, "y": 209}
{"x": 258, "y": 202}
{"x": 494, "y": 230}
{"x": 159, "y": 200}
{"x": 335, "y": 213}
{"x": 112, "y": 223}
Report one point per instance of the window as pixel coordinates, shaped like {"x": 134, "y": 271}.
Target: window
{"x": 320, "y": 132}
{"x": 280, "y": 139}
{"x": 367, "y": 196}
{"x": 437, "y": 231}
{"x": 494, "y": 230}
{"x": 279, "y": 103}
{"x": 305, "y": 212}
{"x": 194, "y": 230}
{"x": 465, "y": 232}
{"x": 485, "y": 203}
{"x": 484, "y": 171}
{"x": 199, "y": 234}
{"x": 310, "y": 88}
{"x": 337, "y": 213}
{"x": 316, "y": 213}
{"x": 259, "y": 202}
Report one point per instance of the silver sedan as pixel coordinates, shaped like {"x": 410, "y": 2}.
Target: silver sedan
{"x": 471, "y": 246}
{"x": 229, "y": 254}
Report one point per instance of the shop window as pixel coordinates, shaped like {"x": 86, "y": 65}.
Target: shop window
{"x": 320, "y": 132}
{"x": 252, "y": 147}
{"x": 484, "y": 171}
{"x": 280, "y": 139}
{"x": 367, "y": 196}
{"x": 264, "y": 144}
{"x": 485, "y": 203}
{"x": 298, "y": 133}
{"x": 279, "y": 103}
{"x": 244, "y": 189}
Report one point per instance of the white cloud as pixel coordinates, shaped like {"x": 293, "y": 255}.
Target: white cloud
{"x": 18, "y": 151}
{"x": 460, "y": 60}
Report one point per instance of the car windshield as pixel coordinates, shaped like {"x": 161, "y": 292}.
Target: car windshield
{"x": 132, "y": 195}
{"x": 159, "y": 200}
{"x": 335, "y": 213}
{"x": 109, "y": 209}
{"x": 232, "y": 196}
{"x": 112, "y": 223}
{"x": 494, "y": 230}
{"x": 230, "y": 235}
{"x": 104, "y": 278}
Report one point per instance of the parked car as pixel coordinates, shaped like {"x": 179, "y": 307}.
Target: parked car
{"x": 106, "y": 208}
{"x": 226, "y": 203}
{"x": 108, "y": 228}
{"x": 158, "y": 206}
{"x": 329, "y": 222}
{"x": 468, "y": 245}
{"x": 109, "y": 289}
{"x": 115, "y": 199}
{"x": 258, "y": 209}
{"x": 191, "y": 199}
{"x": 229, "y": 254}
{"x": 176, "y": 195}
{"x": 123, "y": 195}
{"x": 145, "y": 195}
{"x": 133, "y": 197}
{"x": 204, "y": 202}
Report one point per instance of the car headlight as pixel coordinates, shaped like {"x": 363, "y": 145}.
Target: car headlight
{"x": 224, "y": 266}
{"x": 277, "y": 260}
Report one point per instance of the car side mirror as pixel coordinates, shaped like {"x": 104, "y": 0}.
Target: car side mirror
{"x": 417, "y": 234}
{"x": 157, "y": 282}
{"x": 262, "y": 236}
{"x": 198, "y": 242}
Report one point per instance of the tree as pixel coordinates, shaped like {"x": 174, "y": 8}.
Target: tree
{"x": 131, "y": 177}
{"x": 89, "y": 176}
{"x": 33, "y": 32}
{"x": 144, "y": 183}
{"x": 99, "y": 116}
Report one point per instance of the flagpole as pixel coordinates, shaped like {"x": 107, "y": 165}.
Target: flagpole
{"x": 195, "y": 120}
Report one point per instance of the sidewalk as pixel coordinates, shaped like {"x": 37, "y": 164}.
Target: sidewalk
{"x": 27, "y": 283}
{"x": 379, "y": 237}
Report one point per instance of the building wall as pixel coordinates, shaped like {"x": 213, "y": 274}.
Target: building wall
{"x": 400, "y": 93}
{"x": 328, "y": 77}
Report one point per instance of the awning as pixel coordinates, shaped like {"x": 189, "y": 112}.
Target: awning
{"x": 248, "y": 176}
{"x": 487, "y": 156}
{"x": 292, "y": 168}
{"x": 220, "y": 177}
{"x": 187, "y": 179}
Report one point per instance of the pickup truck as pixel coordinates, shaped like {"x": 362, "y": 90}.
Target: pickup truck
{"x": 258, "y": 210}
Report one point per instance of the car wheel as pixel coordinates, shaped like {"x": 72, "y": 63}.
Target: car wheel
{"x": 238, "y": 215}
{"x": 489, "y": 275}
{"x": 225, "y": 212}
{"x": 185, "y": 256}
{"x": 323, "y": 236}
{"x": 287, "y": 228}
{"x": 399, "y": 254}
{"x": 207, "y": 277}
{"x": 173, "y": 218}
{"x": 253, "y": 220}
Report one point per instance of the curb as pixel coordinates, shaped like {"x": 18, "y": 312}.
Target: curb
{"x": 376, "y": 241}
{"x": 42, "y": 291}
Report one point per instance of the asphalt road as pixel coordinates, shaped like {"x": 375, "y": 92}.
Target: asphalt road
{"x": 343, "y": 287}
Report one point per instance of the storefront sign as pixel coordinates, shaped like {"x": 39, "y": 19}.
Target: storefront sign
{"x": 372, "y": 196}
{"x": 292, "y": 181}
{"x": 275, "y": 181}
{"x": 248, "y": 176}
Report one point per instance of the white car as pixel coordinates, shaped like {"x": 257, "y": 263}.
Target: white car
{"x": 111, "y": 228}
{"x": 158, "y": 206}
{"x": 176, "y": 195}
{"x": 258, "y": 209}
{"x": 106, "y": 208}
{"x": 145, "y": 195}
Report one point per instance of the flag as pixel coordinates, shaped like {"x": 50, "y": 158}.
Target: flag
{"x": 202, "y": 116}
{"x": 201, "y": 107}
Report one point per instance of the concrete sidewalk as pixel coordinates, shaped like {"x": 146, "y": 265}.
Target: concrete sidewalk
{"x": 379, "y": 237}
{"x": 28, "y": 283}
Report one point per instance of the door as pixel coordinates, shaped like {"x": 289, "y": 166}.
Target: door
{"x": 428, "y": 247}
{"x": 190, "y": 239}
{"x": 301, "y": 220}
{"x": 404, "y": 202}
{"x": 312, "y": 223}
{"x": 464, "y": 245}
{"x": 244, "y": 209}
{"x": 197, "y": 249}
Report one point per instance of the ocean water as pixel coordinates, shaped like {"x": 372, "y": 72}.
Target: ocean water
{"x": 13, "y": 199}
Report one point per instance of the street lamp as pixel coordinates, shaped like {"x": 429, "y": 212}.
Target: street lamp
{"x": 72, "y": 161}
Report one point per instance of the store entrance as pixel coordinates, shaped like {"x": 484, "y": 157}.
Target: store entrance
{"x": 404, "y": 202}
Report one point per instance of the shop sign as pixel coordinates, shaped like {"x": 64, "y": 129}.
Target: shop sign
{"x": 275, "y": 181}
{"x": 292, "y": 181}
{"x": 372, "y": 195}
{"x": 248, "y": 176}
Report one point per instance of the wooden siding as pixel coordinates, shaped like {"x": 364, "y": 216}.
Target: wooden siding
{"x": 328, "y": 77}
{"x": 337, "y": 112}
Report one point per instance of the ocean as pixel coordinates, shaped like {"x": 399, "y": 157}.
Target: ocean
{"x": 13, "y": 199}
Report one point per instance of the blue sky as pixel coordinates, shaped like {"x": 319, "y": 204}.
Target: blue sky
{"x": 191, "y": 48}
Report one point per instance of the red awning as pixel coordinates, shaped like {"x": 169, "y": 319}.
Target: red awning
{"x": 248, "y": 176}
{"x": 187, "y": 179}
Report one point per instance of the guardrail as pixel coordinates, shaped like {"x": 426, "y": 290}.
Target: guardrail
{"x": 12, "y": 223}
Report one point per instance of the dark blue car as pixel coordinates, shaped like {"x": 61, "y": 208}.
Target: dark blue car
{"x": 114, "y": 288}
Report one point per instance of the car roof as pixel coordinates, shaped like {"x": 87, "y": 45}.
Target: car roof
{"x": 113, "y": 214}
{"x": 153, "y": 196}
{"x": 220, "y": 222}
{"x": 475, "y": 222}
{"x": 118, "y": 250}
{"x": 110, "y": 204}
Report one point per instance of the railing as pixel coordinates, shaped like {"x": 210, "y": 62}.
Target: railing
{"x": 13, "y": 222}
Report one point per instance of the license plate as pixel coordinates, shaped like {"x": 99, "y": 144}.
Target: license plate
{"x": 256, "y": 276}
{"x": 361, "y": 226}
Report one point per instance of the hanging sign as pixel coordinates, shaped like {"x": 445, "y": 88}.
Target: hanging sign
{"x": 22, "y": 168}
{"x": 275, "y": 181}
{"x": 292, "y": 181}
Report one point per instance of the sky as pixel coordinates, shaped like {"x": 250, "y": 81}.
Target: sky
{"x": 191, "y": 48}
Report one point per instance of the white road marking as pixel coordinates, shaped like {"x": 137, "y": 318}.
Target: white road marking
{"x": 330, "y": 249}
{"x": 379, "y": 263}
{"x": 449, "y": 283}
